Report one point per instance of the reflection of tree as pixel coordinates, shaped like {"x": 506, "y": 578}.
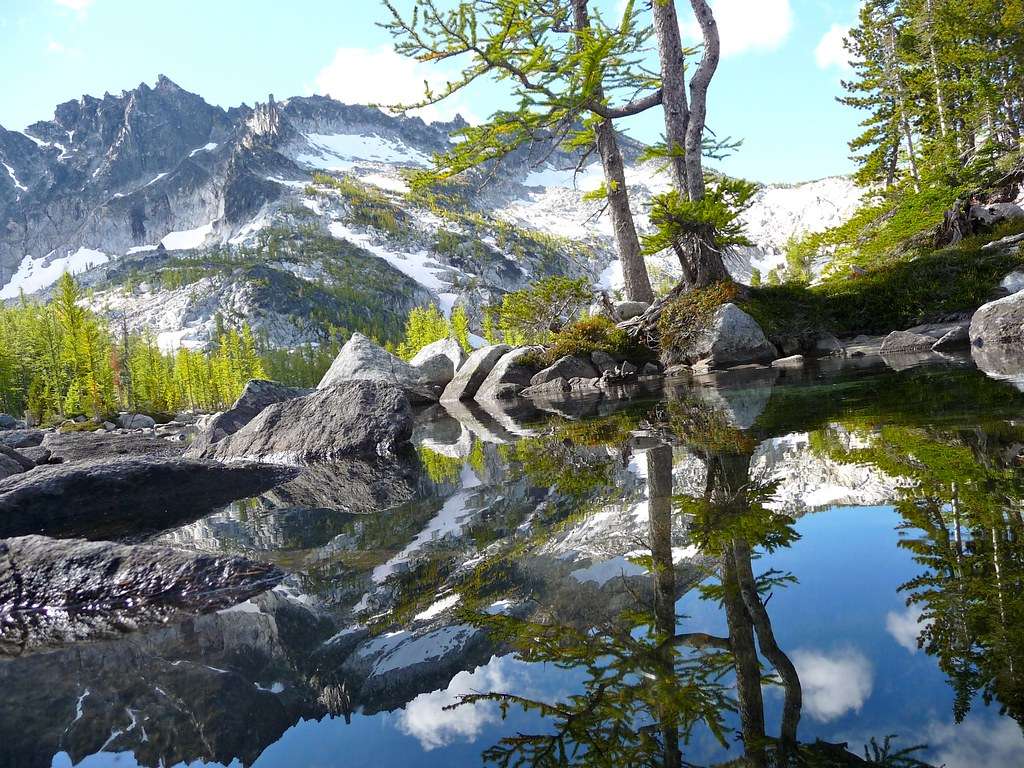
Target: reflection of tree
{"x": 649, "y": 686}
{"x": 964, "y": 525}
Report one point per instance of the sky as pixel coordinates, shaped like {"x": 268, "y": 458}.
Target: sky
{"x": 775, "y": 87}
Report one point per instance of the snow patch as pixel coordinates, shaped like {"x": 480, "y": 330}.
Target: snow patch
{"x": 417, "y": 265}
{"x": 35, "y": 274}
{"x": 205, "y": 148}
{"x": 187, "y": 239}
{"x": 343, "y": 151}
{"x": 14, "y": 177}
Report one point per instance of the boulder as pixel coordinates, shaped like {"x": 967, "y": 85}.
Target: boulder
{"x": 88, "y": 446}
{"x": 732, "y": 338}
{"x": 363, "y": 360}
{"x": 994, "y": 214}
{"x": 21, "y": 438}
{"x": 957, "y": 338}
{"x": 135, "y": 421}
{"x": 37, "y": 456}
{"x": 256, "y": 396}
{"x": 792, "y": 361}
{"x": 602, "y": 361}
{"x": 437, "y": 363}
{"x": 9, "y": 422}
{"x": 473, "y": 372}
{"x": 125, "y": 497}
{"x": 353, "y": 418}
{"x": 906, "y": 342}
{"x": 827, "y": 345}
{"x": 1013, "y": 282}
{"x": 627, "y": 310}
{"x": 509, "y": 376}
{"x": 55, "y": 592}
{"x": 9, "y": 467}
{"x": 17, "y": 457}
{"x": 567, "y": 367}
{"x": 999, "y": 322}
{"x": 650, "y": 369}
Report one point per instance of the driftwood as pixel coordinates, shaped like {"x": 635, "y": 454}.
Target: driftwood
{"x": 958, "y": 224}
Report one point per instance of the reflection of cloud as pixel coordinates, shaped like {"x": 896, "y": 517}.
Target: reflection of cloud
{"x": 976, "y": 743}
{"x": 426, "y": 718}
{"x": 906, "y": 626}
{"x": 833, "y": 684}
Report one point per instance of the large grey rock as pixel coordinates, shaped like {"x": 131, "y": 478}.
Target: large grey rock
{"x": 125, "y": 497}
{"x": 999, "y": 322}
{"x": 87, "y": 446}
{"x": 956, "y": 338}
{"x": 135, "y": 421}
{"x": 603, "y": 362}
{"x": 21, "y": 438}
{"x": 732, "y": 338}
{"x": 996, "y": 213}
{"x": 437, "y": 362}
{"x": 17, "y": 457}
{"x": 351, "y": 419}
{"x": 568, "y": 367}
{"x": 627, "y": 310}
{"x": 473, "y": 372}
{"x": 906, "y": 342}
{"x": 54, "y": 592}
{"x": 509, "y": 375}
{"x": 9, "y": 422}
{"x": 827, "y": 345}
{"x": 363, "y": 360}
{"x": 256, "y": 396}
{"x": 9, "y": 467}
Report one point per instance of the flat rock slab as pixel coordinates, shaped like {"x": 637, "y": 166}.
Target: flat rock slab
{"x": 125, "y": 498}
{"x": 89, "y": 446}
{"x": 473, "y": 372}
{"x": 906, "y": 342}
{"x": 54, "y": 592}
{"x": 21, "y": 438}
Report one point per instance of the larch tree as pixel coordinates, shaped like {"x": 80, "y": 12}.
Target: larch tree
{"x": 571, "y": 75}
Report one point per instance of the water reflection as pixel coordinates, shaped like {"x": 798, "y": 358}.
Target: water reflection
{"x": 661, "y": 583}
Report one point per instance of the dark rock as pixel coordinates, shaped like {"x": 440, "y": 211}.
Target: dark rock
{"x": 827, "y": 345}
{"x": 629, "y": 369}
{"x": 905, "y": 342}
{"x": 56, "y": 592}
{"x": 88, "y": 446}
{"x": 567, "y": 367}
{"x": 21, "y": 438}
{"x": 363, "y": 360}
{"x": 37, "y": 455}
{"x": 125, "y": 498}
{"x": 602, "y": 361}
{"x": 356, "y": 486}
{"x": 957, "y": 338}
{"x": 509, "y": 376}
{"x": 354, "y": 418}
{"x": 19, "y": 458}
{"x": 650, "y": 369}
{"x": 9, "y": 467}
{"x": 256, "y": 396}
{"x": 473, "y": 373}
{"x": 9, "y": 422}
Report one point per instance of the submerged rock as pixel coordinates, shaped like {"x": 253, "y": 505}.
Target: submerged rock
{"x": 54, "y": 592}
{"x": 357, "y": 486}
{"x": 473, "y": 372}
{"x": 363, "y": 360}
{"x": 124, "y": 497}
{"x": 256, "y": 396}
{"x": 351, "y": 419}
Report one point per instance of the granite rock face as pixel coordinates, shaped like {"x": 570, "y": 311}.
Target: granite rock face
{"x": 437, "y": 362}
{"x": 473, "y": 372}
{"x": 362, "y": 418}
{"x": 567, "y": 367}
{"x": 510, "y": 375}
{"x": 999, "y": 322}
{"x": 363, "y": 360}
{"x": 732, "y": 338}
{"x": 256, "y": 396}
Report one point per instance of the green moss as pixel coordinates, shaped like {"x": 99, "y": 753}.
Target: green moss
{"x": 595, "y": 334}
{"x": 687, "y": 316}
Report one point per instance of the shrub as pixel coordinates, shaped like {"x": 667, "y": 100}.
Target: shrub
{"x": 532, "y": 315}
{"x": 596, "y": 334}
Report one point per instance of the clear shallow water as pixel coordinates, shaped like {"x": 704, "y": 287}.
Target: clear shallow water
{"x": 592, "y": 570}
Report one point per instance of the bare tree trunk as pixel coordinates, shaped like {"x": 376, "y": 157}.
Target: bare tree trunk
{"x": 634, "y": 269}
{"x": 939, "y": 100}
{"x": 901, "y": 101}
{"x": 699, "y": 97}
{"x": 674, "y": 101}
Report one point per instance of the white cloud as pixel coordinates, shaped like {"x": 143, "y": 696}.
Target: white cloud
{"x": 744, "y": 26}
{"x": 830, "y": 51}
{"x": 906, "y": 626}
{"x": 426, "y": 719}
{"x": 54, "y": 47}
{"x": 976, "y": 743}
{"x": 833, "y": 684}
{"x": 382, "y": 76}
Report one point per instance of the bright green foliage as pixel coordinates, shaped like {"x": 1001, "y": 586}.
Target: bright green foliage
{"x": 594, "y": 334}
{"x": 460, "y": 328}
{"x": 61, "y": 360}
{"x": 367, "y": 207}
{"x": 755, "y": 277}
{"x": 424, "y": 326}
{"x": 677, "y": 219}
{"x": 532, "y": 315}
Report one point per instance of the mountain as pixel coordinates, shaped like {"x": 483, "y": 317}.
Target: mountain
{"x": 178, "y": 215}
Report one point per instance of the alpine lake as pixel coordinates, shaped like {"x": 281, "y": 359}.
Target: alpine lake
{"x": 820, "y": 566}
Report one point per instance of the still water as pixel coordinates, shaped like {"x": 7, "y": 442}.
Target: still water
{"x": 749, "y": 570}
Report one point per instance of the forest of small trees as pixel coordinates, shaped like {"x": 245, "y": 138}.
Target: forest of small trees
{"x": 61, "y": 360}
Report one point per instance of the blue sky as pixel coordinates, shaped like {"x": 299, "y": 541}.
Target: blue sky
{"x": 775, "y": 87}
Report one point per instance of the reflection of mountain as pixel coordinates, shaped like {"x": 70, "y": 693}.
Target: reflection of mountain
{"x": 577, "y": 537}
